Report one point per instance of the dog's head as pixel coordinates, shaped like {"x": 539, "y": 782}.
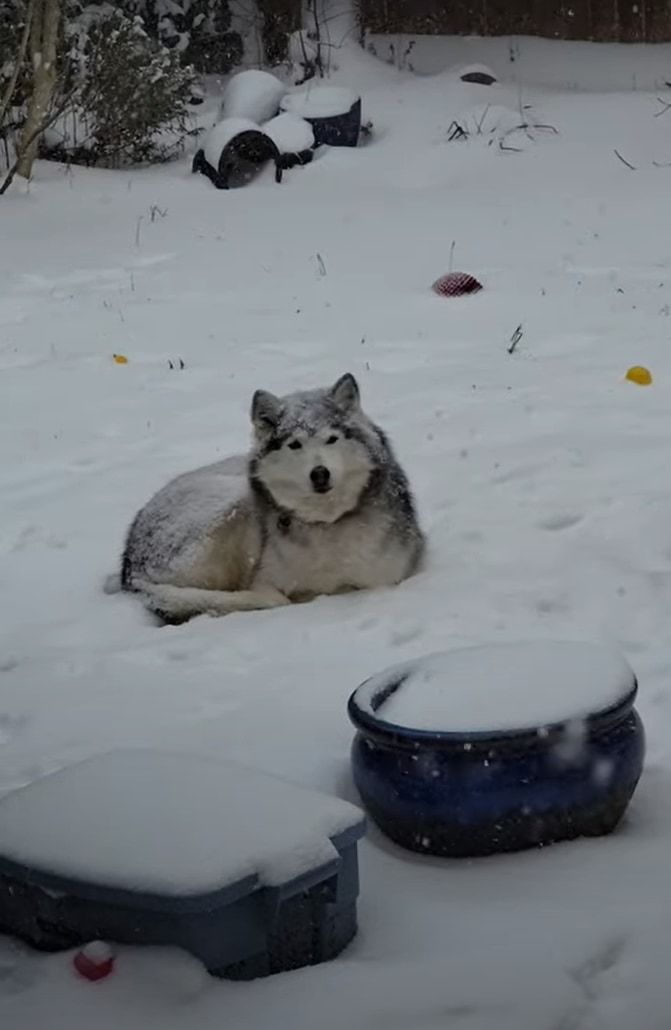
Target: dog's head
{"x": 315, "y": 451}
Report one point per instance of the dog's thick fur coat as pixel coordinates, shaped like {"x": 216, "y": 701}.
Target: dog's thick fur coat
{"x": 320, "y": 506}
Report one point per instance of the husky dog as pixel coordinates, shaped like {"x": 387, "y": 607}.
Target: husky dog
{"x": 320, "y": 506}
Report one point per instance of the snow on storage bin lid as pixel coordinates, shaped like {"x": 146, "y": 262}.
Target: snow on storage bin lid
{"x": 169, "y": 824}
{"x": 290, "y": 134}
{"x": 252, "y": 94}
{"x": 498, "y": 688}
{"x": 320, "y": 101}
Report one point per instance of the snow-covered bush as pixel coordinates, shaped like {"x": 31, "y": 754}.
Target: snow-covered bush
{"x": 199, "y": 30}
{"x": 14, "y": 77}
{"x": 132, "y": 107}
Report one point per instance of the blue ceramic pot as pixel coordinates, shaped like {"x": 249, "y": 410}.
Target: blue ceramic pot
{"x": 467, "y": 794}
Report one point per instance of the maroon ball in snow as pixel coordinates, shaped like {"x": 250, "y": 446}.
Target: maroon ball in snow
{"x": 95, "y": 961}
{"x": 456, "y": 284}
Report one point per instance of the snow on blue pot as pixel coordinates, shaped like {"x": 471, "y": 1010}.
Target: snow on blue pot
{"x": 494, "y": 749}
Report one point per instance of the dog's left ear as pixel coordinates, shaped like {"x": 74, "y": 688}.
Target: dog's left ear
{"x": 346, "y": 393}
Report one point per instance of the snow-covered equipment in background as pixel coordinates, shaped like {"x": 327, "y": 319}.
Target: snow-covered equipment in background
{"x": 293, "y": 137}
{"x": 334, "y": 113}
{"x": 252, "y": 132}
{"x": 252, "y": 94}
{"x": 249, "y": 873}
{"x": 234, "y": 151}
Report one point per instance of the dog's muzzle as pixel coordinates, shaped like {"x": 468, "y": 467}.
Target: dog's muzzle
{"x": 320, "y": 477}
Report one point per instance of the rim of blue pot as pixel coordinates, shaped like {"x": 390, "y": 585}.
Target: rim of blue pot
{"x": 390, "y": 733}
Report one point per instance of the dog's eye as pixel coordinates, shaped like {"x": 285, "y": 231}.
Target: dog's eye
{"x": 295, "y": 445}
{"x": 332, "y": 439}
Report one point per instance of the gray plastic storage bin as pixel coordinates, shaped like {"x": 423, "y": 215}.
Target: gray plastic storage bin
{"x": 240, "y": 932}
{"x": 246, "y": 929}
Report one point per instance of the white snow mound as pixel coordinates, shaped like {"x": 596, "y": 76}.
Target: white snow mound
{"x": 252, "y": 94}
{"x": 289, "y": 133}
{"x": 222, "y": 133}
{"x": 319, "y": 101}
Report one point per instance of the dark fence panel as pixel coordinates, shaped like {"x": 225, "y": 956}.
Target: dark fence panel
{"x": 625, "y": 21}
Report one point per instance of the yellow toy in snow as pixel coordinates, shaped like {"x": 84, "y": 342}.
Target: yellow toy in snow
{"x": 639, "y": 374}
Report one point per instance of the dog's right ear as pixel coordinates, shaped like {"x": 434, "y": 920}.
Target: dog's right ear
{"x": 266, "y": 410}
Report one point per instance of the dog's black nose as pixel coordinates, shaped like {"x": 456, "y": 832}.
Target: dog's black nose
{"x": 320, "y": 477}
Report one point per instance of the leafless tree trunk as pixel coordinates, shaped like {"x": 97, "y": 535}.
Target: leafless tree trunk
{"x": 49, "y": 119}
{"x": 43, "y": 51}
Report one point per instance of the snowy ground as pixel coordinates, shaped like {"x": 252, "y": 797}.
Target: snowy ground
{"x": 542, "y": 480}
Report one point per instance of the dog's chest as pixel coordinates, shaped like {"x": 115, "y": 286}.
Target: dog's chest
{"x": 299, "y": 559}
